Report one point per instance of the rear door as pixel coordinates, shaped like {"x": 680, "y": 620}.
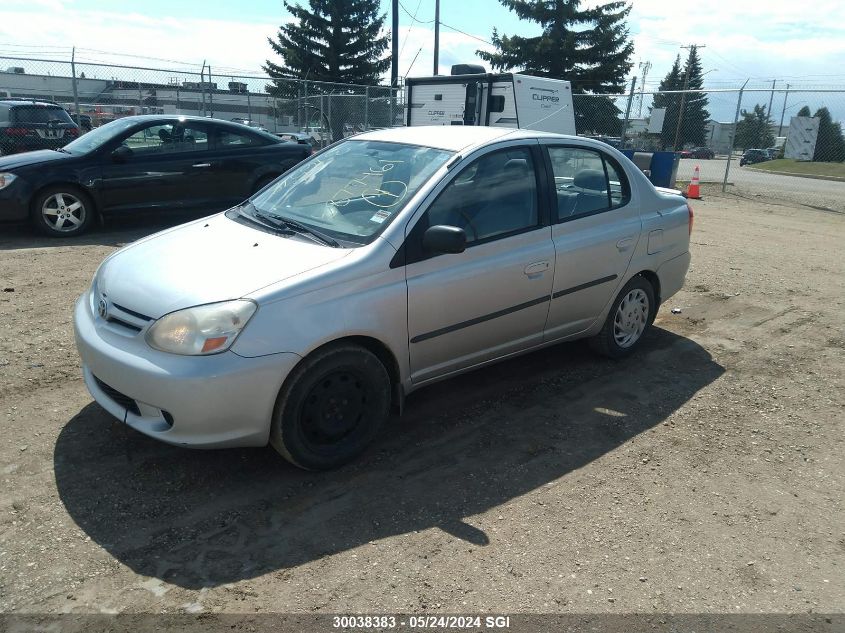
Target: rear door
{"x": 169, "y": 168}
{"x": 596, "y": 230}
{"x": 492, "y": 299}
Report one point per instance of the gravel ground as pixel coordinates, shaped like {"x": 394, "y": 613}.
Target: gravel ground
{"x": 705, "y": 474}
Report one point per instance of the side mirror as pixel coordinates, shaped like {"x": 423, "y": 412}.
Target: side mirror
{"x": 121, "y": 154}
{"x": 444, "y": 239}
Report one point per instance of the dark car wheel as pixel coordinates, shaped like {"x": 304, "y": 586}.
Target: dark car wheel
{"x": 629, "y": 318}
{"x": 62, "y": 211}
{"x": 331, "y": 407}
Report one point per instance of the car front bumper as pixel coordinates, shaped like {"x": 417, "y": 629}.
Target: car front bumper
{"x": 14, "y": 201}
{"x": 222, "y": 400}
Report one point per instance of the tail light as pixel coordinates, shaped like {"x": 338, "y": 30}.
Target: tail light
{"x": 16, "y": 131}
{"x": 691, "y": 217}
{"x": 72, "y": 131}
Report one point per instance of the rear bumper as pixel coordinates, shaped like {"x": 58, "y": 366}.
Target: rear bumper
{"x": 672, "y": 274}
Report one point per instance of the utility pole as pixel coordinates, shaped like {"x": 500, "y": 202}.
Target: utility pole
{"x": 645, "y": 66}
{"x": 782, "y": 112}
{"x": 684, "y": 93}
{"x": 628, "y": 110}
{"x": 436, "y": 37}
{"x": 771, "y": 98}
{"x": 394, "y": 46}
{"x": 75, "y": 90}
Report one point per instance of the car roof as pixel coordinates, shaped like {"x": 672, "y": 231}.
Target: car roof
{"x": 458, "y": 137}
{"x": 29, "y": 102}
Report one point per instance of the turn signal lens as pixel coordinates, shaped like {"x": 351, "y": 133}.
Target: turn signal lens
{"x": 6, "y": 179}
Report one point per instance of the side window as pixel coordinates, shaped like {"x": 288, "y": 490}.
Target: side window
{"x": 494, "y": 196}
{"x": 229, "y": 139}
{"x": 586, "y": 182}
{"x": 169, "y": 138}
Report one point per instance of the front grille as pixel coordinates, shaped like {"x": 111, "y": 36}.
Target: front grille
{"x": 137, "y": 315}
{"x": 122, "y": 399}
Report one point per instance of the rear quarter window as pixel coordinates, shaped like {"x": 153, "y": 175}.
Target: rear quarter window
{"x": 39, "y": 114}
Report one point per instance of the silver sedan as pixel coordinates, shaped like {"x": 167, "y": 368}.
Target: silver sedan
{"x": 383, "y": 263}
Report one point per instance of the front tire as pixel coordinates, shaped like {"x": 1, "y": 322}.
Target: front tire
{"x": 331, "y": 407}
{"x": 630, "y": 316}
{"x": 62, "y": 211}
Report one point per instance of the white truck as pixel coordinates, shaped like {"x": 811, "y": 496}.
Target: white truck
{"x": 470, "y": 96}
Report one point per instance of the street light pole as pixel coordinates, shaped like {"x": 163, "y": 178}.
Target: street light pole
{"x": 782, "y": 112}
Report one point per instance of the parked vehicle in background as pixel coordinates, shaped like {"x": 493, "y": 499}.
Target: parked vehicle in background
{"x": 248, "y": 123}
{"x": 27, "y": 125}
{"x": 702, "y": 152}
{"x": 393, "y": 259}
{"x": 83, "y": 121}
{"x": 295, "y": 137}
{"x": 774, "y": 152}
{"x": 142, "y": 163}
{"x": 752, "y": 156}
{"x": 684, "y": 153}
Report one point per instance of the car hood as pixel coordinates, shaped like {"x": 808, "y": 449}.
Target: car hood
{"x": 25, "y": 159}
{"x": 214, "y": 259}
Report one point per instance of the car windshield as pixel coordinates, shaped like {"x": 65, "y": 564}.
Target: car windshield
{"x": 99, "y": 136}
{"x": 353, "y": 190}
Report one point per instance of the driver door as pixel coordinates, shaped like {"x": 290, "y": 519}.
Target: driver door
{"x": 492, "y": 299}
{"x": 168, "y": 168}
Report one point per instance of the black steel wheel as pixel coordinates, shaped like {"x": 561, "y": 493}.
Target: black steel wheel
{"x": 331, "y": 407}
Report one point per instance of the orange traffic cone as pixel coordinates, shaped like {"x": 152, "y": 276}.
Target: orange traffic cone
{"x": 693, "y": 190}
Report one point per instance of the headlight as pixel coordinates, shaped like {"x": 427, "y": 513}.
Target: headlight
{"x": 207, "y": 329}
{"x": 6, "y": 179}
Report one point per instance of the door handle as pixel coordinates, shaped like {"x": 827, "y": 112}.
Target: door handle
{"x": 625, "y": 243}
{"x": 201, "y": 165}
{"x": 535, "y": 269}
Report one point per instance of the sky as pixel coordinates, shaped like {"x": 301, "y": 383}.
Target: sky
{"x": 783, "y": 40}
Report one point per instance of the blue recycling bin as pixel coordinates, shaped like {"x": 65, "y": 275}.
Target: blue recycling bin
{"x": 663, "y": 167}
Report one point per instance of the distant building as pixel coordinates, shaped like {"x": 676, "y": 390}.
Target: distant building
{"x": 719, "y": 136}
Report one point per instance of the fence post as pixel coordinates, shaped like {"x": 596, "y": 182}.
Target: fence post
{"x": 210, "y": 93}
{"x": 628, "y": 111}
{"x": 733, "y": 137}
{"x": 75, "y": 90}
{"x": 367, "y": 108}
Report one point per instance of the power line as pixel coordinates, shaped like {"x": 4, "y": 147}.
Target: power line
{"x": 410, "y": 26}
{"x": 475, "y": 37}
{"x": 413, "y": 16}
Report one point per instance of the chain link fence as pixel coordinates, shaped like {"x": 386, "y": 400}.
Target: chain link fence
{"x": 748, "y": 141}
{"x": 96, "y": 93}
{"x": 774, "y": 143}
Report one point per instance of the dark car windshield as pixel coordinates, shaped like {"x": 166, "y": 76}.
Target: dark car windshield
{"x": 39, "y": 114}
{"x": 99, "y": 136}
{"x": 353, "y": 190}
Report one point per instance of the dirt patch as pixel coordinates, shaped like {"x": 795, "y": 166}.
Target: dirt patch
{"x": 703, "y": 475}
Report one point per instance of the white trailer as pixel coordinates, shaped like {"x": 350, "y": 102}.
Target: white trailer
{"x": 496, "y": 99}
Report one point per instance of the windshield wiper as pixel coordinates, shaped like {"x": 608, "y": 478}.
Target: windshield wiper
{"x": 301, "y": 228}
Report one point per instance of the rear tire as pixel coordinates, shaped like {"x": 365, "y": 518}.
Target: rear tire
{"x": 630, "y": 316}
{"x": 331, "y": 407}
{"x": 62, "y": 211}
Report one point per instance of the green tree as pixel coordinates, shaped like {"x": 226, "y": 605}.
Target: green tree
{"x": 332, "y": 41}
{"x": 588, "y": 47}
{"x": 695, "y": 115}
{"x": 674, "y": 80}
{"x": 754, "y": 129}
{"x": 805, "y": 111}
{"x": 830, "y": 144}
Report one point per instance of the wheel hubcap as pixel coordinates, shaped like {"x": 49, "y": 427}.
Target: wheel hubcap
{"x": 334, "y": 408}
{"x": 631, "y": 318}
{"x": 63, "y": 212}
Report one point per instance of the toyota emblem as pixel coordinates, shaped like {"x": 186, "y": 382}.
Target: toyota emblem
{"x": 103, "y": 308}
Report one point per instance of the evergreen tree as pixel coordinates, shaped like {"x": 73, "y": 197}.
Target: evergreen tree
{"x": 674, "y": 80}
{"x": 805, "y": 111}
{"x": 332, "y": 41}
{"x": 588, "y": 47}
{"x": 754, "y": 129}
{"x": 830, "y": 144}
{"x": 695, "y": 114}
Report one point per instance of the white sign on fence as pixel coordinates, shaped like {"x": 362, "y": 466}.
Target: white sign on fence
{"x": 655, "y": 121}
{"x": 801, "y": 138}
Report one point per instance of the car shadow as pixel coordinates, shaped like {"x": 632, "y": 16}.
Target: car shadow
{"x": 464, "y": 446}
{"x": 114, "y": 232}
